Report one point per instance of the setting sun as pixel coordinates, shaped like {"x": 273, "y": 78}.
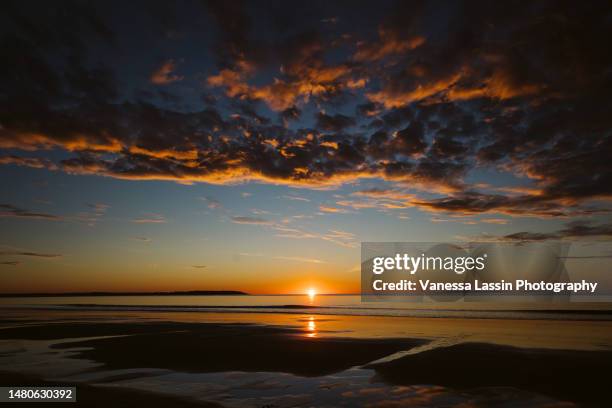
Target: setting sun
{"x": 311, "y": 293}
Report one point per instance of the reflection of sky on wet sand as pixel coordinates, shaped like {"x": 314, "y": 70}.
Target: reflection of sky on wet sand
{"x": 352, "y": 387}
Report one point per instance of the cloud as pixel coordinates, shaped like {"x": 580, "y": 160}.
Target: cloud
{"x": 295, "y": 198}
{"x": 285, "y": 258}
{"x": 150, "y": 218}
{"x": 33, "y": 162}
{"x": 91, "y": 218}
{"x": 250, "y": 220}
{"x": 332, "y": 210}
{"x": 499, "y": 221}
{"x": 341, "y": 238}
{"x": 212, "y": 202}
{"x": 289, "y": 114}
{"x": 389, "y": 44}
{"x": 142, "y": 239}
{"x": 99, "y": 208}
{"x": 299, "y": 259}
{"x": 433, "y": 106}
{"x": 575, "y": 229}
{"x": 234, "y": 24}
{"x": 302, "y": 83}
{"x": 334, "y": 123}
{"x": 8, "y": 210}
{"x": 471, "y": 202}
{"x": 164, "y": 74}
{"x": 199, "y": 266}
{"x": 10, "y": 263}
{"x": 29, "y": 254}
{"x": 380, "y": 199}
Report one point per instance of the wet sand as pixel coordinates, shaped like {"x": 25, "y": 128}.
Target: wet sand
{"x": 96, "y": 396}
{"x": 202, "y": 347}
{"x": 572, "y": 375}
{"x": 579, "y": 376}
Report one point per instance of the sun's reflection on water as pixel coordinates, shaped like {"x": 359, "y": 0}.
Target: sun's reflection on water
{"x": 311, "y": 327}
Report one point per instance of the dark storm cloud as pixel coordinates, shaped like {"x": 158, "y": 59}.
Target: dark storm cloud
{"x": 234, "y": 27}
{"x": 248, "y": 109}
{"x": 334, "y": 123}
{"x": 292, "y": 113}
{"x": 437, "y": 92}
{"x": 368, "y": 109}
{"x": 410, "y": 140}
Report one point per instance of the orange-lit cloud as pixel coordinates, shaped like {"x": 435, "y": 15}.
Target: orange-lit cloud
{"x": 390, "y": 43}
{"x": 392, "y": 97}
{"x": 33, "y": 162}
{"x": 300, "y": 84}
{"x": 165, "y": 74}
{"x": 332, "y": 210}
{"x": 421, "y": 109}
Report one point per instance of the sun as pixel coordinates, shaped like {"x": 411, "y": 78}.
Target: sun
{"x": 311, "y": 293}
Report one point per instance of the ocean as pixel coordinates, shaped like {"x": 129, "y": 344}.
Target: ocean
{"x": 351, "y": 305}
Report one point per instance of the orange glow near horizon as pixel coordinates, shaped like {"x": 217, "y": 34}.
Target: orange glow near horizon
{"x": 108, "y": 276}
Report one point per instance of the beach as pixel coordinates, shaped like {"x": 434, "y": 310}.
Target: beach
{"x": 240, "y": 359}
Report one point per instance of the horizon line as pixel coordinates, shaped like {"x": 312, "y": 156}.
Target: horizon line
{"x": 161, "y": 293}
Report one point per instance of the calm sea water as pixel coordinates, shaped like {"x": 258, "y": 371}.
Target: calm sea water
{"x": 320, "y": 305}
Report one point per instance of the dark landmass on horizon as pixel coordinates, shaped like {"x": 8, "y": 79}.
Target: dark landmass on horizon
{"x": 177, "y": 293}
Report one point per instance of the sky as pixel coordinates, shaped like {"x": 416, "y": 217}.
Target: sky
{"x": 211, "y": 145}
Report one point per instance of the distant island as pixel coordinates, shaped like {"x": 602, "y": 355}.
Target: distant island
{"x": 180, "y": 293}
